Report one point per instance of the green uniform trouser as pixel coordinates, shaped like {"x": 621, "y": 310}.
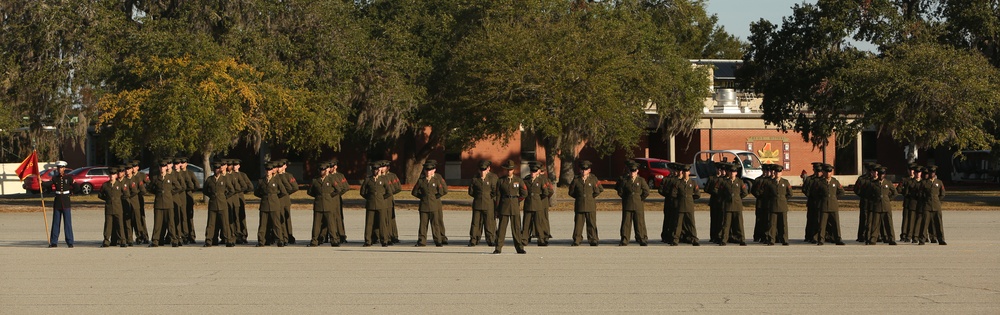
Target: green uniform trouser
{"x": 684, "y": 226}
{"x": 778, "y": 231}
{"x": 136, "y": 221}
{"x": 436, "y": 221}
{"x": 272, "y": 221}
{"x": 904, "y": 228}
{"x": 380, "y": 219}
{"x": 393, "y": 229}
{"x": 515, "y": 231}
{"x": 877, "y": 226}
{"x": 590, "y": 218}
{"x": 934, "y": 226}
{"x": 635, "y": 219}
{"x": 323, "y": 223}
{"x": 532, "y": 223}
{"x": 732, "y": 223}
{"x": 113, "y": 223}
{"x": 829, "y": 224}
{"x": 483, "y": 220}
{"x": 715, "y": 227}
{"x": 669, "y": 225}
{"x": 180, "y": 218}
{"x": 189, "y": 215}
{"x": 286, "y": 216}
{"x": 219, "y": 220}
{"x": 163, "y": 222}
{"x": 544, "y": 215}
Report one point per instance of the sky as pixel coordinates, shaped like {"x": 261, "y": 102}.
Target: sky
{"x": 736, "y": 15}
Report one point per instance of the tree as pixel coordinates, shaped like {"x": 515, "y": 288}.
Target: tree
{"x": 694, "y": 33}
{"x": 925, "y": 94}
{"x": 575, "y": 76}
{"x": 46, "y": 72}
{"x": 815, "y": 83}
{"x": 228, "y": 71}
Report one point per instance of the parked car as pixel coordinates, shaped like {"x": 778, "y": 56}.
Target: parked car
{"x": 653, "y": 170}
{"x": 704, "y": 165}
{"x": 32, "y": 185}
{"x": 199, "y": 173}
{"x": 89, "y": 179}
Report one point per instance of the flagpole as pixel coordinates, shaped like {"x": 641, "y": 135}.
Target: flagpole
{"x": 41, "y": 195}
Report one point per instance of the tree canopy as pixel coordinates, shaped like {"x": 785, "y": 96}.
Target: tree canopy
{"x": 936, "y": 66}
{"x": 186, "y": 77}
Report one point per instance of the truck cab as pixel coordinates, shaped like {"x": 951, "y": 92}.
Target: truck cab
{"x": 704, "y": 165}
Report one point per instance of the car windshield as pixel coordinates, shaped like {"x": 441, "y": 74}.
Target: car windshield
{"x": 77, "y": 171}
{"x": 749, "y": 161}
{"x": 662, "y": 165}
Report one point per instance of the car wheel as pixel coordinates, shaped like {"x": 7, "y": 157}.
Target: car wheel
{"x": 651, "y": 182}
{"x": 86, "y": 188}
{"x": 749, "y": 184}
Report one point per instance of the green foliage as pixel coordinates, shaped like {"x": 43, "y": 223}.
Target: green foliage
{"x": 45, "y": 71}
{"x": 919, "y": 89}
{"x": 925, "y": 94}
{"x": 574, "y": 76}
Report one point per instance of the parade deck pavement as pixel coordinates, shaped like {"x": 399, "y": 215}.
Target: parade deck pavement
{"x": 962, "y": 277}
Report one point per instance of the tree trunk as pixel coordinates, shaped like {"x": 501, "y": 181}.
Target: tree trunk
{"x": 417, "y": 156}
{"x": 911, "y": 152}
{"x": 206, "y": 164}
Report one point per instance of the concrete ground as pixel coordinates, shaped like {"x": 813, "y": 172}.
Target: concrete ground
{"x": 962, "y": 277}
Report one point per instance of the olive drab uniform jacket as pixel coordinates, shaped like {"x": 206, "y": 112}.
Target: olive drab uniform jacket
{"x": 191, "y": 182}
{"x": 910, "y": 189}
{"x": 113, "y": 195}
{"x": 731, "y": 194}
{"x": 867, "y": 190}
{"x": 632, "y": 191}
{"x": 430, "y": 190}
{"x": 714, "y": 199}
{"x": 585, "y": 192}
{"x": 684, "y": 193}
{"x": 291, "y": 186}
{"x": 324, "y": 192}
{"x": 510, "y": 190}
{"x": 483, "y": 192}
{"x": 932, "y": 191}
{"x": 777, "y": 192}
{"x": 539, "y": 191}
{"x": 217, "y": 188}
{"x": 377, "y": 193}
{"x": 338, "y": 180}
{"x": 826, "y": 193}
{"x": 162, "y": 188}
{"x": 666, "y": 186}
{"x": 270, "y": 193}
{"x": 136, "y": 188}
{"x": 395, "y": 186}
{"x": 883, "y": 190}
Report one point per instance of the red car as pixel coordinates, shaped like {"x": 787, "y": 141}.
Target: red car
{"x": 653, "y": 170}
{"x": 89, "y": 179}
{"x": 31, "y": 185}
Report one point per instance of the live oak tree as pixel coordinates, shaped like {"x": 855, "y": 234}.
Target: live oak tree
{"x": 816, "y": 83}
{"x": 576, "y": 73}
{"x": 46, "y": 76}
{"x": 228, "y": 71}
{"x": 924, "y": 94}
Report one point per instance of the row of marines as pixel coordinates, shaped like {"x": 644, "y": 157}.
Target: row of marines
{"x": 500, "y": 198}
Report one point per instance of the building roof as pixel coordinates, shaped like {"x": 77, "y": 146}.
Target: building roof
{"x": 725, "y": 69}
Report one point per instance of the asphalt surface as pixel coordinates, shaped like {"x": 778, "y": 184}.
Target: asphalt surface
{"x": 962, "y": 277}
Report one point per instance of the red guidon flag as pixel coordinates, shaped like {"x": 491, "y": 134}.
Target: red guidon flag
{"x": 28, "y": 167}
